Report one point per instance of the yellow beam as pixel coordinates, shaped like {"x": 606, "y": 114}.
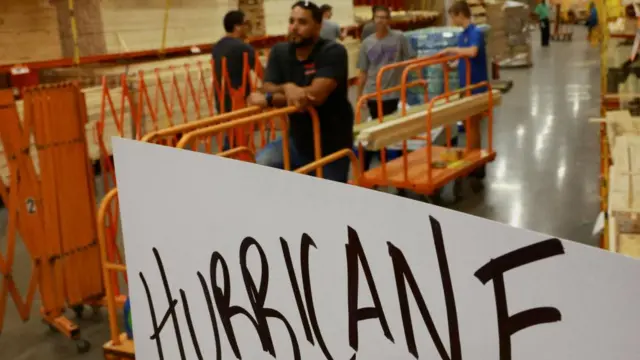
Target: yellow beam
{"x": 165, "y": 26}
{"x": 74, "y": 32}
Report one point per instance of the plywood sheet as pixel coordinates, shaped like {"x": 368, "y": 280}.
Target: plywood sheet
{"x": 28, "y": 32}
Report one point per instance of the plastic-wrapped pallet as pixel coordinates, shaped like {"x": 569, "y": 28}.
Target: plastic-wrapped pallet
{"x": 428, "y": 42}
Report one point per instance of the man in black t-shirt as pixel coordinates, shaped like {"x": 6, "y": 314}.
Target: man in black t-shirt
{"x": 233, "y": 47}
{"x": 308, "y": 71}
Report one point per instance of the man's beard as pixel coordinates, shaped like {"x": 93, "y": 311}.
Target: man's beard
{"x": 304, "y": 42}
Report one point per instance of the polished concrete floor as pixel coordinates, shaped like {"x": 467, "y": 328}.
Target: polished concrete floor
{"x": 545, "y": 178}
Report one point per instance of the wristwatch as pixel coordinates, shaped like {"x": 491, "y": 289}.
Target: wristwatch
{"x": 269, "y": 97}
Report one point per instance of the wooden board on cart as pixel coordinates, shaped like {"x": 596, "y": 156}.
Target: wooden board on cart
{"x": 388, "y": 133}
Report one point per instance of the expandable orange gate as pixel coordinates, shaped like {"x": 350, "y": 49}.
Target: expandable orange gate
{"x": 150, "y": 102}
{"x": 52, "y": 205}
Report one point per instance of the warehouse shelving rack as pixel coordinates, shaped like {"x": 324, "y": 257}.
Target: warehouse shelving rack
{"x": 260, "y": 42}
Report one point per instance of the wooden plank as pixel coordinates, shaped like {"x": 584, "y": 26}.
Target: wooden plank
{"x": 388, "y": 133}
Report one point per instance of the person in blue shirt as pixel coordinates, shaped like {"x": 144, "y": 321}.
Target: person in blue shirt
{"x": 592, "y": 20}
{"x": 471, "y": 45}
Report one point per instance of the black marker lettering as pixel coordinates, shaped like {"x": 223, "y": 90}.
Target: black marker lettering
{"x": 257, "y": 297}
{"x": 355, "y": 255}
{"x": 212, "y": 314}
{"x": 222, "y": 298}
{"x": 404, "y": 274}
{"x": 192, "y": 332}
{"x": 171, "y": 311}
{"x": 154, "y": 320}
{"x": 307, "y": 243}
{"x": 495, "y": 269}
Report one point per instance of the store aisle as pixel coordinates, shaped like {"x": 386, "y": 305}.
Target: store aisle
{"x": 545, "y": 177}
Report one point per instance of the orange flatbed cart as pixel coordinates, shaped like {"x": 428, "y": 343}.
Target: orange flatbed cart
{"x": 421, "y": 171}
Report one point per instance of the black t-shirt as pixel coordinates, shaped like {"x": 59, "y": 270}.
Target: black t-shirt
{"x": 327, "y": 60}
{"x": 233, "y": 50}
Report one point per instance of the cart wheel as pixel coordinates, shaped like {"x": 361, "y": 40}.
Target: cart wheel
{"x": 476, "y": 184}
{"x": 82, "y": 346}
{"x": 458, "y": 189}
{"x": 78, "y": 310}
{"x": 401, "y": 192}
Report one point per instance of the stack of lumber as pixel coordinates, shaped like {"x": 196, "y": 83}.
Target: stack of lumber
{"x": 138, "y": 25}
{"x": 497, "y": 41}
{"x": 38, "y": 30}
{"x": 623, "y": 133}
{"x": 174, "y": 83}
{"x": 396, "y": 128}
{"x": 28, "y": 32}
{"x": 254, "y": 12}
{"x": 362, "y": 14}
{"x": 193, "y": 101}
{"x": 276, "y": 13}
{"x": 511, "y": 21}
{"x": 438, "y": 6}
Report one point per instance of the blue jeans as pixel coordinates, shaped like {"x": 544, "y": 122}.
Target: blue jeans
{"x": 272, "y": 155}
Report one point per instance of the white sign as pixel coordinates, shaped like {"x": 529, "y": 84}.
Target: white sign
{"x": 233, "y": 260}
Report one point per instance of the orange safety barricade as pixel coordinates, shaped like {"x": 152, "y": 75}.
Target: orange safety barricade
{"x": 180, "y": 107}
{"x": 416, "y": 171}
{"x": 190, "y": 138}
{"x": 51, "y": 205}
{"x": 150, "y": 101}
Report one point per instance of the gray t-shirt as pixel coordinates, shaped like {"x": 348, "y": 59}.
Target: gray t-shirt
{"x": 330, "y": 30}
{"x": 376, "y": 53}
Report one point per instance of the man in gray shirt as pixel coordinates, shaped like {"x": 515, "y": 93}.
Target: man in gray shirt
{"x": 330, "y": 29}
{"x": 382, "y": 48}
